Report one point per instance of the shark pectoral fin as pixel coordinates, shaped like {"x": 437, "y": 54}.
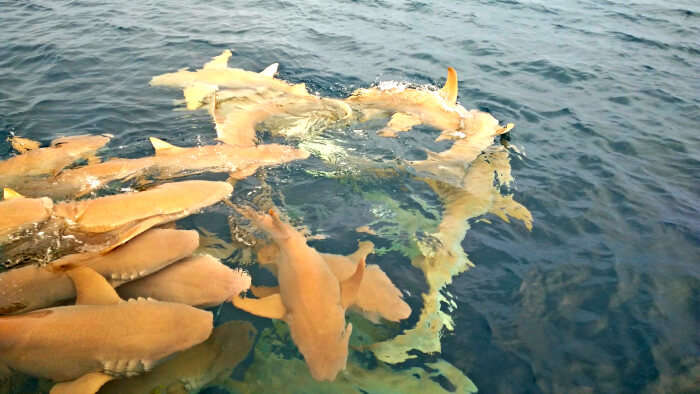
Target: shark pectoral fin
{"x": 506, "y": 128}
{"x": 270, "y": 70}
{"x": 243, "y": 173}
{"x": 195, "y": 94}
{"x": 86, "y": 384}
{"x": 264, "y": 291}
{"x": 163, "y": 148}
{"x": 270, "y": 306}
{"x": 350, "y": 287}
{"x": 91, "y": 288}
{"x": 505, "y": 206}
{"x": 219, "y": 62}
{"x": 449, "y": 91}
{"x": 9, "y": 194}
{"x": 399, "y": 122}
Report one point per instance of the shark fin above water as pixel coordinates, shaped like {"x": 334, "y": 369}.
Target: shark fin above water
{"x": 164, "y": 148}
{"x": 270, "y": 307}
{"x": 270, "y": 70}
{"x": 449, "y": 91}
{"x": 91, "y": 288}
{"x": 9, "y": 194}
{"x": 219, "y": 62}
{"x": 87, "y": 384}
{"x": 350, "y": 287}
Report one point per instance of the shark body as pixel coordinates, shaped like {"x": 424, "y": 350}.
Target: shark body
{"x": 311, "y": 300}
{"x": 33, "y": 287}
{"x": 99, "y": 338}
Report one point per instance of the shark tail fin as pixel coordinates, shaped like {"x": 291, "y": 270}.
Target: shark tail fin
{"x": 163, "y": 148}
{"x": 449, "y": 91}
{"x": 270, "y": 70}
{"x": 9, "y": 194}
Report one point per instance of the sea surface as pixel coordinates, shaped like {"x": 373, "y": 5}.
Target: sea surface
{"x": 602, "y": 296}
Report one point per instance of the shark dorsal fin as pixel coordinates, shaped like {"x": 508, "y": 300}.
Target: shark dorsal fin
{"x": 9, "y": 194}
{"x": 270, "y": 70}
{"x": 87, "y": 384}
{"x": 91, "y": 288}
{"x": 449, "y": 91}
{"x": 350, "y": 287}
{"x": 219, "y": 62}
{"x": 300, "y": 89}
{"x": 163, "y": 148}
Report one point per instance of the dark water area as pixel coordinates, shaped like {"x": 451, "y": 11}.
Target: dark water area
{"x": 602, "y": 296}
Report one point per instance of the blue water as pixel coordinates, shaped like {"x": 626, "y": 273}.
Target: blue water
{"x": 602, "y": 296}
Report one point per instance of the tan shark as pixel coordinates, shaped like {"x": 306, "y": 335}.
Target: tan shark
{"x": 293, "y": 116}
{"x": 377, "y": 298}
{"x": 169, "y": 162}
{"x": 100, "y": 338}
{"x": 449, "y": 166}
{"x": 193, "y": 369}
{"x": 201, "y": 281}
{"x": 102, "y": 224}
{"x": 443, "y": 257}
{"x": 50, "y": 160}
{"x": 410, "y": 106}
{"x": 32, "y": 287}
{"x": 199, "y": 84}
{"x": 311, "y": 299}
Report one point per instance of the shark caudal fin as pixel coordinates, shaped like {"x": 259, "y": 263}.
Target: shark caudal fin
{"x": 9, "y": 194}
{"x": 164, "y": 148}
{"x": 449, "y": 91}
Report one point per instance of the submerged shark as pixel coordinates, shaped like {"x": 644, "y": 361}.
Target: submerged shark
{"x": 100, "y": 338}
{"x": 184, "y": 281}
{"x": 194, "y": 368}
{"x": 377, "y": 298}
{"x": 32, "y": 287}
{"x": 312, "y": 301}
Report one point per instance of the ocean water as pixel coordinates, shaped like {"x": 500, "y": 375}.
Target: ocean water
{"x": 602, "y": 296}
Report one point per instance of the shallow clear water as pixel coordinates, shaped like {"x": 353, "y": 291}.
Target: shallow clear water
{"x": 602, "y": 296}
